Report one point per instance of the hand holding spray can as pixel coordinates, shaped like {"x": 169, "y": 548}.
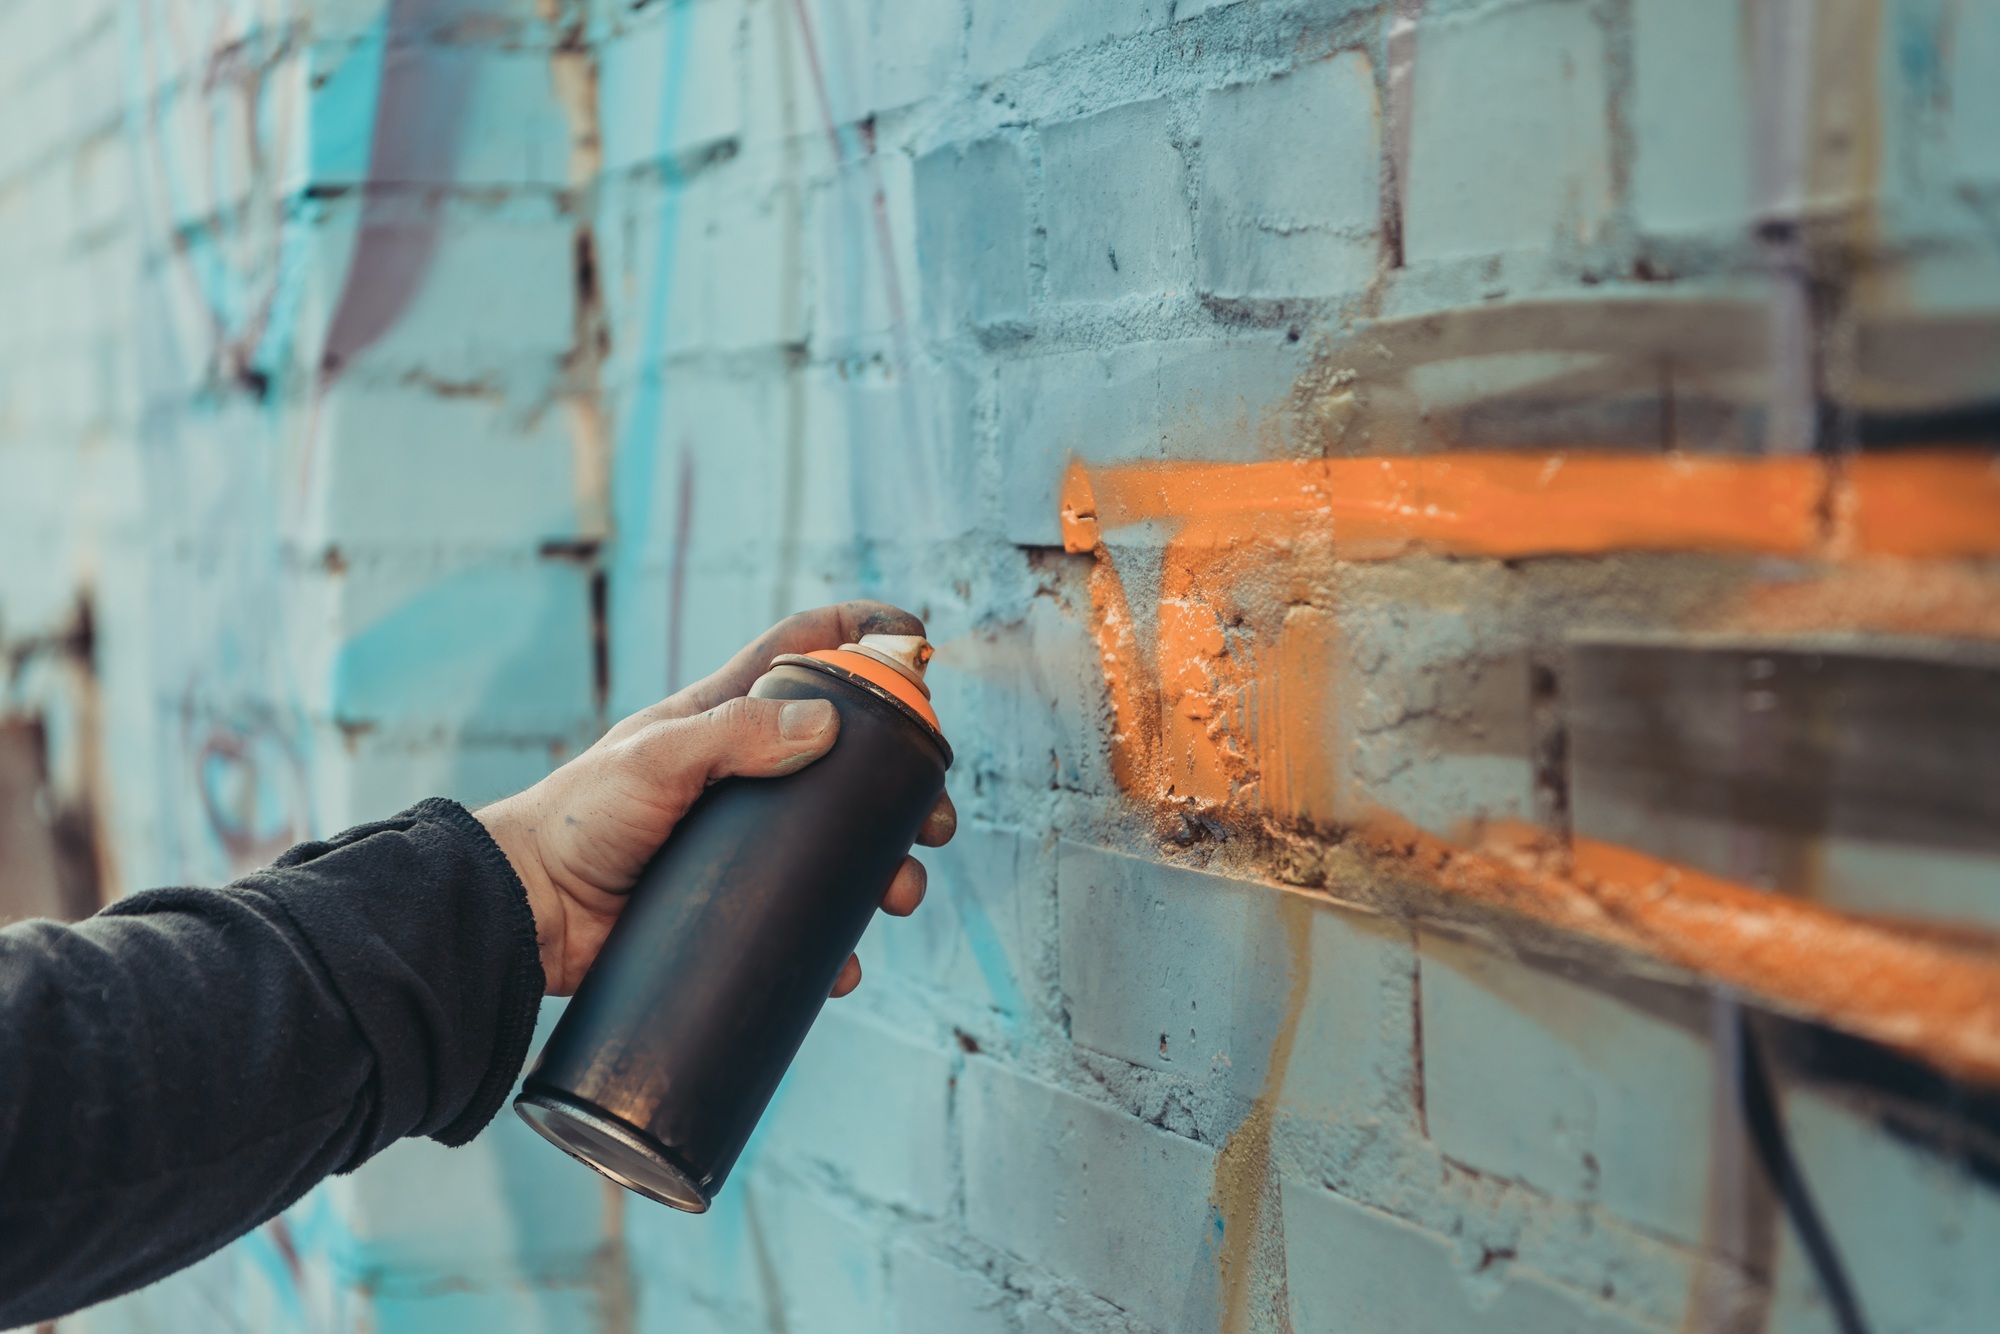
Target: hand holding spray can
{"x": 737, "y": 929}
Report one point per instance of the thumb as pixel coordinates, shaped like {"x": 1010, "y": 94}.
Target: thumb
{"x": 758, "y": 738}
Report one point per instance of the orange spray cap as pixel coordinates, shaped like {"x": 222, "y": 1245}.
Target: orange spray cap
{"x": 896, "y": 663}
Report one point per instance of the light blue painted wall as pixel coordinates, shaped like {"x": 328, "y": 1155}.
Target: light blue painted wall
{"x": 747, "y": 305}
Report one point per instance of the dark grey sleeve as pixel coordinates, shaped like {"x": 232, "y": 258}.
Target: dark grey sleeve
{"x": 179, "y": 1068}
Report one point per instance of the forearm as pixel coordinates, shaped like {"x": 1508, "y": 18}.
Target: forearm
{"x": 183, "y": 1066}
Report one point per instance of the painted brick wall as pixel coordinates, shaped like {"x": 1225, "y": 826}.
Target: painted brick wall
{"x": 392, "y": 391}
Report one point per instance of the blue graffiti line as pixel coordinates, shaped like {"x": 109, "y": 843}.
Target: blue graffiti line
{"x": 989, "y": 954}
{"x": 635, "y": 457}
{"x": 248, "y": 283}
{"x": 262, "y": 1251}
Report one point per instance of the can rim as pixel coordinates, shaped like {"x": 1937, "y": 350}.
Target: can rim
{"x": 656, "y": 1156}
{"x": 818, "y": 664}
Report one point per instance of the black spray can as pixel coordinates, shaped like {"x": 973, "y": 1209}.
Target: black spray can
{"x": 670, "y": 1049}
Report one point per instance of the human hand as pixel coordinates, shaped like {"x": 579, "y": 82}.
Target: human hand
{"x": 579, "y": 838}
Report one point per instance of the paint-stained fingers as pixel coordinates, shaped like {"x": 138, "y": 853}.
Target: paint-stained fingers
{"x": 850, "y": 977}
{"x": 822, "y": 627}
{"x": 906, "y": 888}
{"x": 741, "y": 737}
{"x": 940, "y": 824}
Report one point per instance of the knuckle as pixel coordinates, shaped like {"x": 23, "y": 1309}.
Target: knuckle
{"x": 743, "y": 721}
{"x": 652, "y": 746}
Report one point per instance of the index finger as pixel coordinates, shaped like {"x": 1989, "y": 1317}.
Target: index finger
{"x": 822, "y": 627}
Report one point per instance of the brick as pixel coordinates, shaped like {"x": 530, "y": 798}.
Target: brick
{"x": 714, "y": 1272}
{"x": 1975, "y": 95}
{"x": 1152, "y": 958}
{"x": 872, "y": 56}
{"x": 870, "y": 1105}
{"x": 1440, "y": 728}
{"x": 732, "y": 428}
{"x": 1190, "y": 973}
{"x": 867, "y": 261}
{"x": 1537, "y": 1078}
{"x": 975, "y": 938}
{"x": 887, "y": 455}
{"x": 101, "y": 186}
{"x": 782, "y": 101}
{"x": 360, "y": 778}
{"x": 723, "y": 607}
{"x": 420, "y": 1216}
{"x": 496, "y": 298}
{"x": 830, "y": 1269}
{"x": 1290, "y": 190}
{"x": 721, "y": 433}
{"x": 494, "y": 649}
{"x": 972, "y": 233}
{"x": 1207, "y": 399}
{"x": 467, "y": 471}
{"x": 505, "y": 1311}
{"x": 1509, "y": 144}
{"x": 709, "y": 266}
{"x": 94, "y": 70}
{"x": 1691, "y": 126}
{"x": 1351, "y": 1268}
{"x": 1187, "y": 9}
{"x": 1116, "y": 206}
{"x": 1036, "y": 1321}
{"x": 1353, "y": 1057}
{"x": 915, "y": 49}
{"x": 1022, "y": 700}
{"x": 672, "y": 84}
{"x": 1091, "y": 1194}
{"x": 494, "y": 114}
{"x": 929, "y": 1295}
{"x": 247, "y": 1279}
{"x": 1007, "y": 35}
{"x": 1717, "y": 755}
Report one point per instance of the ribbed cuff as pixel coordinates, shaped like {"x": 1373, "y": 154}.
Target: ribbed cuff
{"x": 520, "y": 989}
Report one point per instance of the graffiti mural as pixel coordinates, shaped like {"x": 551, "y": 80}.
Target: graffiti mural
{"x": 1463, "y": 539}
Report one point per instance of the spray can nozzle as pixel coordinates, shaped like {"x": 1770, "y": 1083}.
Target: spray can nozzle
{"x": 908, "y": 654}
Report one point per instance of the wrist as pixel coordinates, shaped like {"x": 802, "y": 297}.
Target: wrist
{"x": 511, "y": 823}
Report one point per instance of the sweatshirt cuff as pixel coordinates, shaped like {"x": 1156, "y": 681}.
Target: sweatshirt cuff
{"x": 522, "y": 982}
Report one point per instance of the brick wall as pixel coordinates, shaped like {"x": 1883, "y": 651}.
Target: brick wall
{"x": 405, "y": 387}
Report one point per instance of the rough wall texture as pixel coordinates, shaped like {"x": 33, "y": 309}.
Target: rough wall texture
{"x": 1392, "y": 484}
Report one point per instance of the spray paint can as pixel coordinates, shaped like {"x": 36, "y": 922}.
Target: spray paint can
{"x": 736, "y": 931}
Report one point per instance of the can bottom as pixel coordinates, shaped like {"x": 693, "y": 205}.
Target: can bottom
{"x": 601, "y": 1141}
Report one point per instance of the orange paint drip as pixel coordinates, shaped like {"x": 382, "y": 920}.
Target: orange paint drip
{"x": 1934, "y": 504}
{"x": 1213, "y": 715}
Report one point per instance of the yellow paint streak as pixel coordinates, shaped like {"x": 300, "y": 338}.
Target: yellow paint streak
{"x": 1245, "y": 1193}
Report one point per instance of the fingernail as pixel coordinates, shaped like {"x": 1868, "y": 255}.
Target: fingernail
{"x": 804, "y": 719}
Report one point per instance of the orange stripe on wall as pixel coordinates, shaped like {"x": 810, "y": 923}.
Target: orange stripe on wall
{"x": 1499, "y": 505}
{"x": 1529, "y": 504}
{"x": 1933, "y": 999}
{"x": 1929, "y": 504}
